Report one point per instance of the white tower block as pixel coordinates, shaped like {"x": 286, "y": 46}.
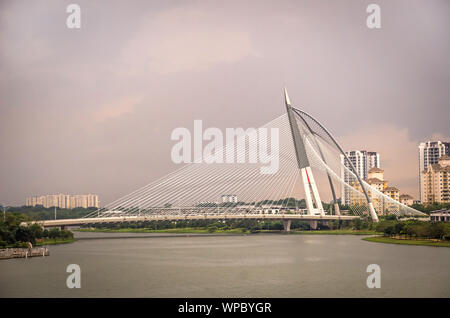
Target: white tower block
{"x": 311, "y": 192}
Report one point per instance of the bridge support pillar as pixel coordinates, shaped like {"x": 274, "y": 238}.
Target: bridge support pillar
{"x": 287, "y": 225}
{"x": 62, "y": 227}
{"x": 313, "y": 225}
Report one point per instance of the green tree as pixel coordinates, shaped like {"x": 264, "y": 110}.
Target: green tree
{"x": 54, "y": 233}
{"x": 212, "y": 228}
{"x": 24, "y": 234}
{"x": 36, "y": 231}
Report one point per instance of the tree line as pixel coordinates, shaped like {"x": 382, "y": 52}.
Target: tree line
{"x": 427, "y": 208}
{"x": 40, "y": 213}
{"x": 414, "y": 229}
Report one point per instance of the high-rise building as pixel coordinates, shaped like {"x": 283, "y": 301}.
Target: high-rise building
{"x": 435, "y": 182}
{"x": 363, "y": 161}
{"x": 64, "y": 201}
{"x": 429, "y": 153}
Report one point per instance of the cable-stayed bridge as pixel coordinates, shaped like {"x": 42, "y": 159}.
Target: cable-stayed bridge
{"x": 292, "y": 156}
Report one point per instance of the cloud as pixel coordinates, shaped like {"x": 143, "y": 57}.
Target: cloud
{"x": 439, "y": 136}
{"x": 180, "y": 40}
{"x": 116, "y": 109}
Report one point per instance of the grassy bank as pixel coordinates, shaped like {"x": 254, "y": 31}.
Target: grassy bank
{"x": 176, "y": 230}
{"x": 229, "y": 231}
{"x": 337, "y": 232}
{"x": 424, "y": 242}
{"x": 54, "y": 241}
{"x": 41, "y": 242}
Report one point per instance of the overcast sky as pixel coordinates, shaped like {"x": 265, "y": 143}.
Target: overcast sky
{"x": 91, "y": 110}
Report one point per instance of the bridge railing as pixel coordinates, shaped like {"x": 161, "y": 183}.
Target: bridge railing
{"x": 198, "y": 211}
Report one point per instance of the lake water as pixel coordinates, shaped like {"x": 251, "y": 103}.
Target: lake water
{"x": 139, "y": 265}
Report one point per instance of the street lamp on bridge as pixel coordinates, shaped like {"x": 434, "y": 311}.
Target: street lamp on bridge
{"x": 5, "y": 208}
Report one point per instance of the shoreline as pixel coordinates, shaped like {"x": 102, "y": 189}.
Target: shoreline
{"x": 166, "y": 231}
{"x": 418, "y": 242}
{"x": 55, "y": 242}
{"x": 45, "y": 242}
{"x": 337, "y": 232}
{"x": 232, "y": 231}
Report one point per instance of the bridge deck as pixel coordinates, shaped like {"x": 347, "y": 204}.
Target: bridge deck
{"x": 119, "y": 219}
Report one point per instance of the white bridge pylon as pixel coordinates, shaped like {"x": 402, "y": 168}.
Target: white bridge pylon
{"x": 312, "y": 197}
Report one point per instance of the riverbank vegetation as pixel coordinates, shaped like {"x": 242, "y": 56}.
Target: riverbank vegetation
{"x": 425, "y": 242}
{"x": 413, "y": 229}
{"x": 413, "y": 232}
{"x": 339, "y": 232}
{"x": 427, "y": 208}
{"x": 54, "y": 241}
{"x": 38, "y": 213}
{"x": 186, "y": 230}
{"x": 12, "y": 234}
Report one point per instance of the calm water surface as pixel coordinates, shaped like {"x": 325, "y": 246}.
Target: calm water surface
{"x": 139, "y": 265}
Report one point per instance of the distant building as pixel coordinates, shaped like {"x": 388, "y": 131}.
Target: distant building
{"x": 406, "y": 199}
{"x": 435, "y": 182}
{"x": 440, "y": 215}
{"x": 429, "y": 153}
{"x": 229, "y": 198}
{"x": 393, "y": 193}
{"x": 363, "y": 161}
{"x": 64, "y": 201}
{"x": 376, "y": 180}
